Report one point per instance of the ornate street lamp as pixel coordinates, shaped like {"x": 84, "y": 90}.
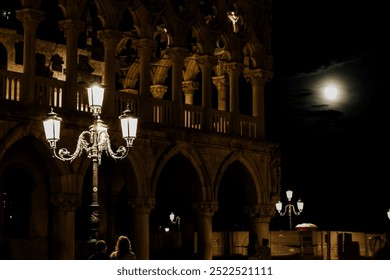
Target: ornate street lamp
{"x": 289, "y": 208}
{"x": 94, "y": 142}
{"x": 388, "y": 213}
{"x": 175, "y": 220}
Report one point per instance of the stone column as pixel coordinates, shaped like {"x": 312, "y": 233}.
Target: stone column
{"x": 30, "y": 19}
{"x": 205, "y": 211}
{"x": 64, "y": 224}
{"x": 177, "y": 57}
{"x": 206, "y": 63}
{"x": 189, "y": 88}
{"x": 141, "y": 211}
{"x": 191, "y": 118}
{"x": 234, "y": 70}
{"x": 145, "y": 49}
{"x": 158, "y": 92}
{"x": 260, "y": 216}
{"x": 221, "y": 83}
{"x": 72, "y": 29}
{"x": 110, "y": 39}
{"x": 258, "y": 78}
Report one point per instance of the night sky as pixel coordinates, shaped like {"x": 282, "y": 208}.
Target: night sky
{"x": 334, "y": 152}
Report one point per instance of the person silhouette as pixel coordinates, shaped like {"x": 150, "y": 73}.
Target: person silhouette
{"x": 253, "y": 247}
{"x": 123, "y": 250}
{"x": 100, "y": 251}
{"x": 264, "y": 250}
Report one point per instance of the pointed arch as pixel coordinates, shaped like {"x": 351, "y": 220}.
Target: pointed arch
{"x": 245, "y": 160}
{"x": 197, "y": 162}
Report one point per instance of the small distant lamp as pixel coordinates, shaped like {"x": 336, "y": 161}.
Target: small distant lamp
{"x": 175, "y": 220}
{"x": 300, "y": 205}
{"x": 279, "y": 206}
{"x": 289, "y": 208}
{"x": 171, "y": 217}
{"x": 289, "y": 194}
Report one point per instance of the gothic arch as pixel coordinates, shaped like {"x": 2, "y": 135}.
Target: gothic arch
{"x": 24, "y": 183}
{"x": 246, "y": 161}
{"x": 196, "y": 161}
{"x": 28, "y": 129}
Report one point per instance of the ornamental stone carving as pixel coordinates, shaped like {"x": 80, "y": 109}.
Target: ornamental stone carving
{"x": 260, "y": 210}
{"x": 205, "y": 208}
{"x": 66, "y": 202}
{"x": 141, "y": 204}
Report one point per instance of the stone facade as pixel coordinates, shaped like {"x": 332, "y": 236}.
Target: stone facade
{"x": 201, "y": 156}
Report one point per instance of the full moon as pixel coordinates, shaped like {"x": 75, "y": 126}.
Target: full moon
{"x": 331, "y": 93}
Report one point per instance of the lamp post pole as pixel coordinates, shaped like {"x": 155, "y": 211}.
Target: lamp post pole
{"x": 95, "y": 218}
{"x": 289, "y": 208}
{"x": 94, "y": 142}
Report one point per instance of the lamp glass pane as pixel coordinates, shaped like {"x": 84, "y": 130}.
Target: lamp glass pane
{"x": 52, "y": 128}
{"x": 129, "y": 127}
{"x": 289, "y": 194}
{"x": 95, "y": 96}
{"x": 278, "y": 206}
{"x": 300, "y": 205}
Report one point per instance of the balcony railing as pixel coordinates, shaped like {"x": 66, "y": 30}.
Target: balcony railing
{"x": 10, "y": 83}
{"x": 161, "y": 111}
{"x": 51, "y": 92}
{"x": 221, "y": 120}
{"x": 192, "y": 116}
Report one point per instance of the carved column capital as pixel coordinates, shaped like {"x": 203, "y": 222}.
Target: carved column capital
{"x": 145, "y": 46}
{"x": 189, "y": 87}
{"x": 234, "y": 68}
{"x": 205, "y": 208}
{"x": 220, "y": 82}
{"x": 141, "y": 204}
{"x": 109, "y": 37}
{"x": 66, "y": 202}
{"x": 257, "y": 76}
{"x": 260, "y": 210}
{"x": 158, "y": 91}
{"x": 72, "y": 26}
{"x": 30, "y": 18}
